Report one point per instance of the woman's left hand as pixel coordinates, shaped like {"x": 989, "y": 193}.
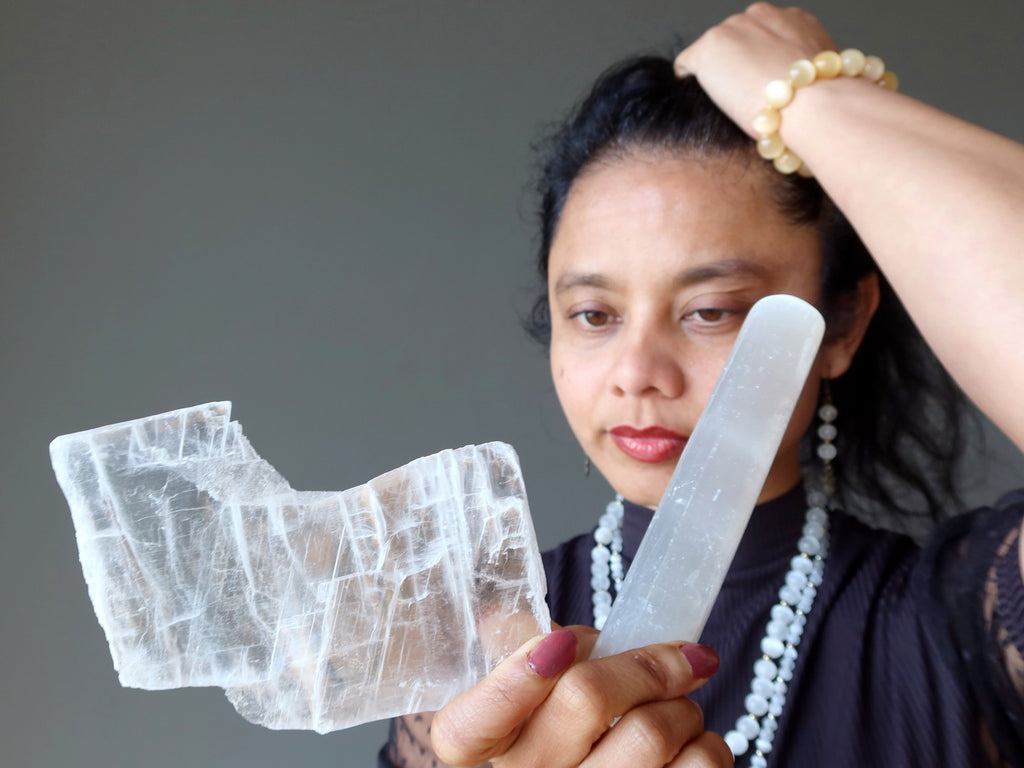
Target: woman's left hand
{"x": 734, "y": 60}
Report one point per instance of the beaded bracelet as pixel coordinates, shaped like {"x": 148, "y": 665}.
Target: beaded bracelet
{"x": 779, "y": 93}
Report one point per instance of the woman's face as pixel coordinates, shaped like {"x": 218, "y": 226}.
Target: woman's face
{"x": 655, "y": 263}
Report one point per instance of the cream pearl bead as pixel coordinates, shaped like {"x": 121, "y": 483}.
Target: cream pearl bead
{"x": 874, "y": 68}
{"x": 787, "y": 162}
{"x": 853, "y": 62}
{"x": 778, "y": 93}
{"x": 889, "y": 81}
{"x": 767, "y": 121}
{"x": 770, "y": 146}
{"x": 829, "y": 64}
{"x": 802, "y": 73}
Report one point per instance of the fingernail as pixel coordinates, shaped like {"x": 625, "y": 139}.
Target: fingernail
{"x": 554, "y": 654}
{"x": 703, "y": 660}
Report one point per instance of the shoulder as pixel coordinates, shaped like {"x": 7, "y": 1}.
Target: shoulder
{"x": 958, "y": 554}
{"x": 970, "y": 566}
{"x": 968, "y": 545}
{"x": 906, "y": 620}
{"x": 973, "y": 596}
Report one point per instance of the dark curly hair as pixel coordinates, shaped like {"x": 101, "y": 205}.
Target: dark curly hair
{"x": 902, "y": 419}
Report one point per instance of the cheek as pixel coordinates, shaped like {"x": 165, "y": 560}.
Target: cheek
{"x": 574, "y": 386}
{"x": 556, "y": 360}
{"x": 567, "y": 386}
{"x": 703, "y": 375}
{"x": 559, "y": 374}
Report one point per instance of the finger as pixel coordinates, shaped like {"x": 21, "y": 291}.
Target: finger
{"x": 482, "y": 721}
{"x": 687, "y": 61}
{"x": 708, "y": 750}
{"x": 684, "y": 64}
{"x": 588, "y": 639}
{"x": 653, "y": 734}
{"x": 592, "y": 694}
{"x": 795, "y": 25}
{"x": 731, "y": 31}
{"x": 793, "y": 32}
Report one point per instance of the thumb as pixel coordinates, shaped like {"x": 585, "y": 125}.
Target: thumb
{"x": 685, "y": 62}
{"x": 486, "y": 719}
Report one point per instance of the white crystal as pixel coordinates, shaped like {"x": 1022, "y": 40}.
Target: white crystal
{"x": 313, "y": 610}
{"x": 682, "y": 560}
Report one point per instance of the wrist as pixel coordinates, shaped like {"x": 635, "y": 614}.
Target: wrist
{"x": 829, "y": 71}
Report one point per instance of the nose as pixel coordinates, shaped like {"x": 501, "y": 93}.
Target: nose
{"x": 647, "y": 363}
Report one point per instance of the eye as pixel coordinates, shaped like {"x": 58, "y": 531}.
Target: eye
{"x": 708, "y": 315}
{"x": 591, "y": 318}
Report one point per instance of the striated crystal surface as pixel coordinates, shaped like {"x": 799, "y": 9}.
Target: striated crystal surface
{"x": 313, "y": 610}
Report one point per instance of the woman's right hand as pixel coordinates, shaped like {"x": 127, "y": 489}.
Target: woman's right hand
{"x": 542, "y": 707}
{"x": 734, "y": 60}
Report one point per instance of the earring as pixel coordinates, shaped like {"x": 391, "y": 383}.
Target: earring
{"x": 586, "y": 466}
{"x": 827, "y": 431}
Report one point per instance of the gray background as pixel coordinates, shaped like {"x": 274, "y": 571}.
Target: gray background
{"x": 320, "y": 211}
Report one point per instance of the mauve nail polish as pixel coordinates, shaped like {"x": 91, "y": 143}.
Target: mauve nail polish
{"x": 554, "y": 654}
{"x": 703, "y": 660}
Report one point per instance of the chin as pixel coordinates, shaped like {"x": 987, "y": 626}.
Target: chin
{"x": 645, "y": 491}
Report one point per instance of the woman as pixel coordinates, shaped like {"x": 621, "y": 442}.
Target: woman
{"x": 660, "y": 228}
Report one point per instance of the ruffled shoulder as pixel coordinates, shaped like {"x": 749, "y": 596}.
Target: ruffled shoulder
{"x": 970, "y": 584}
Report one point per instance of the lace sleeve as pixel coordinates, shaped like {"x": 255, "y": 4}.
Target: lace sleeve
{"x": 409, "y": 744}
{"x": 976, "y": 611}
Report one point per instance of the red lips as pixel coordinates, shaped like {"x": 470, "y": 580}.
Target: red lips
{"x": 652, "y": 444}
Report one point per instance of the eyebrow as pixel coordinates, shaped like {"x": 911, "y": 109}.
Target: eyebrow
{"x": 716, "y": 270}
{"x": 736, "y": 267}
{"x": 572, "y": 280}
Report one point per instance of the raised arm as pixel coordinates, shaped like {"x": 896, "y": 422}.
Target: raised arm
{"x": 938, "y": 202}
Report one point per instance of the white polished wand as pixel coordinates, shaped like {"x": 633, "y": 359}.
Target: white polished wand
{"x": 682, "y": 561}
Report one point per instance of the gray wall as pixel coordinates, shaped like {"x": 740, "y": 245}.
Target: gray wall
{"x": 318, "y": 210}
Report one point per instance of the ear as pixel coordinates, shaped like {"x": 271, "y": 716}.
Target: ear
{"x": 848, "y": 323}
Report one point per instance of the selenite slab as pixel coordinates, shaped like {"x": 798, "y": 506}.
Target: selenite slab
{"x": 313, "y": 610}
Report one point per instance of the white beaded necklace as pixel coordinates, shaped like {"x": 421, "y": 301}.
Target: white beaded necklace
{"x": 785, "y": 627}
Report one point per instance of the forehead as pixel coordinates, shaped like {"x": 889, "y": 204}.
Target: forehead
{"x": 648, "y": 209}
